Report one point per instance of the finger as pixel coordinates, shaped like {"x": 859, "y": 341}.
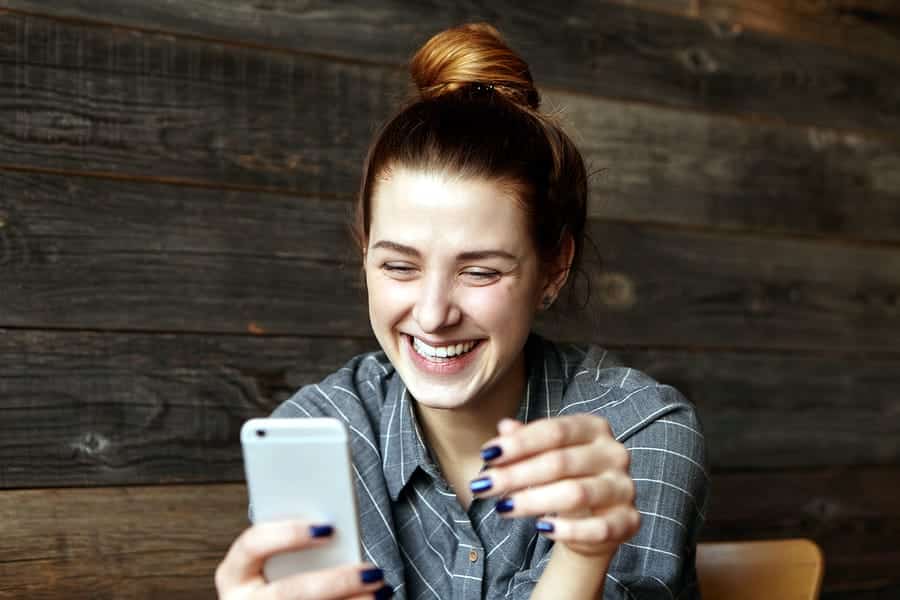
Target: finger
{"x": 544, "y": 434}
{"x": 570, "y": 495}
{"x": 337, "y": 583}
{"x": 552, "y": 465}
{"x": 507, "y": 426}
{"x": 246, "y": 555}
{"x": 616, "y": 525}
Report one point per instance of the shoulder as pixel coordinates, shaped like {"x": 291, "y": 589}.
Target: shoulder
{"x": 597, "y": 382}
{"x": 356, "y": 389}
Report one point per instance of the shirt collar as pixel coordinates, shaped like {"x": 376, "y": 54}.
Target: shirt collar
{"x": 402, "y": 445}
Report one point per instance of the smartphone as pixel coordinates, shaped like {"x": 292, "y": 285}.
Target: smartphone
{"x": 301, "y": 469}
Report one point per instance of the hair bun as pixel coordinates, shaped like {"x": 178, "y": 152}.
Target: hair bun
{"x": 472, "y": 54}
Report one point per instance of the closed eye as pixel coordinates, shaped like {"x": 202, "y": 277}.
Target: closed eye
{"x": 398, "y": 271}
{"x": 482, "y": 275}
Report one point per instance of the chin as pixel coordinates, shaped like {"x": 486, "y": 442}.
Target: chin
{"x": 455, "y": 389}
{"x": 437, "y": 399}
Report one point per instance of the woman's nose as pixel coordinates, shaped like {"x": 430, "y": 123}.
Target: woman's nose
{"x": 435, "y": 307}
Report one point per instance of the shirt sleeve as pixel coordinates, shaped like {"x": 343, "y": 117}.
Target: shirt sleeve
{"x": 669, "y": 468}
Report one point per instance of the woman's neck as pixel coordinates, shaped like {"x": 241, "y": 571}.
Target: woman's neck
{"x": 455, "y": 436}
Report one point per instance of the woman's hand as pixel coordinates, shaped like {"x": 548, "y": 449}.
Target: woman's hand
{"x": 240, "y": 575}
{"x": 568, "y": 471}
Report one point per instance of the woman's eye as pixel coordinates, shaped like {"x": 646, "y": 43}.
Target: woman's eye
{"x": 401, "y": 270}
{"x": 482, "y": 275}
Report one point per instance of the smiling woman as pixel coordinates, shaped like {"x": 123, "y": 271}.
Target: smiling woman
{"x": 490, "y": 462}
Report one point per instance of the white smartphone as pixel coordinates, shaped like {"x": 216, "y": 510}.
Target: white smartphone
{"x": 301, "y": 469}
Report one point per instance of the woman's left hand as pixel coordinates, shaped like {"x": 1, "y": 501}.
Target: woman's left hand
{"x": 571, "y": 473}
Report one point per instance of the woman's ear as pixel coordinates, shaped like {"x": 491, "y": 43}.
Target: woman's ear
{"x": 558, "y": 271}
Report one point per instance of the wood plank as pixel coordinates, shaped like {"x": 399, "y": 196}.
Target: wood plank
{"x": 669, "y": 167}
{"x": 784, "y": 410}
{"x": 137, "y": 105}
{"x": 83, "y": 253}
{"x": 852, "y": 513}
{"x": 125, "y": 103}
{"x": 165, "y": 541}
{"x": 83, "y": 408}
{"x": 118, "y": 542}
{"x": 656, "y": 57}
{"x": 736, "y": 292}
{"x": 864, "y": 27}
{"x": 86, "y": 253}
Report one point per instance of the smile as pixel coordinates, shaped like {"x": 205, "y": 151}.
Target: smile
{"x": 438, "y": 352}
{"x": 450, "y": 359}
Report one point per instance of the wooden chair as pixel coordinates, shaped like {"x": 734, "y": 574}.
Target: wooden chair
{"x": 763, "y": 570}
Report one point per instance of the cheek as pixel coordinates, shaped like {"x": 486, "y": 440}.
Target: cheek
{"x": 387, "y": 296}
{"x": 505, "y": 303}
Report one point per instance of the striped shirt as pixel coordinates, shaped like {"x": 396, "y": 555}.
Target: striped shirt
{"x": 414, "y": 528}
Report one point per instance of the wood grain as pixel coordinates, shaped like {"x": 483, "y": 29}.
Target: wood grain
{"x": 165, "y": 541}
{"x": 95, "y": 254}
{"x": 128, "y": 104}
{"x": 609, "y": 50}
{"x": 852, "y": 513}
{"x": 83, "y": 408}
{"x": 116, "y": 543}
{"x": 865, "y": 27}
{"x": 767, "y": 410}
{"x": 84, "y": 253}
{"x": 737, "y": 292}
{"x": 90, "y": 408}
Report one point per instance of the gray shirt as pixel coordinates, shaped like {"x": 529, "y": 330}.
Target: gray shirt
{"x": 414, "y": 528}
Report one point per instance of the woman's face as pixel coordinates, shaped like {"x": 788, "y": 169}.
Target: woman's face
{"x": 454, "y": 282}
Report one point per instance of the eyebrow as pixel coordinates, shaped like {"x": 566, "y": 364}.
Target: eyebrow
{"x": 471, "y": 255}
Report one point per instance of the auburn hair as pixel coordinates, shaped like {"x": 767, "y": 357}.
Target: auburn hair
{"x": 476, "y": 115}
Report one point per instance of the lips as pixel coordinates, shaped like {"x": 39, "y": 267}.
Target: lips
{"x": 437, "y": 365}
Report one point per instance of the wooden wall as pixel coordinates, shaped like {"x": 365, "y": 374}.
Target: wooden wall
{"x": 174, "y": 180}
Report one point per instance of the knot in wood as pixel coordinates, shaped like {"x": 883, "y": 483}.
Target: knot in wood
{"x": 616, "y": 290}
{"x": 91, "y": 444}
{"x": 698, "y": 60}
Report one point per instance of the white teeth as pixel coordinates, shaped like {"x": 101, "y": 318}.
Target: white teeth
{"x": 441, "y": 351}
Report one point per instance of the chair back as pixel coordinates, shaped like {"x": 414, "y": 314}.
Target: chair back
{"x": 762, "y": 570}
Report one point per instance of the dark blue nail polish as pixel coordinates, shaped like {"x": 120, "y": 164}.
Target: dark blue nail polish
{"x": 481, "y": 484}
{"x": 384, "y": 593}
{"x": 544, "y": 526}
{"x": 318, "y": 531}
{"x": 491, "y": 452}
{"x": 505, "y": 505}
{"x": 371, "y": 575}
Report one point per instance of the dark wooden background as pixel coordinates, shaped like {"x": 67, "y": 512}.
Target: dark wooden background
{"x": 174, "y": 181}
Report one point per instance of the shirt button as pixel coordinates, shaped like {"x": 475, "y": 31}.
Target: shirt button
{"x": 473, "y": 556}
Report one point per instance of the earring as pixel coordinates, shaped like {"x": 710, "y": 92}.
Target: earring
{"x": 547, "y": 301}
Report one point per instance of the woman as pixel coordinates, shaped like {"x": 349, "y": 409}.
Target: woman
{"x": 490, "y": 463}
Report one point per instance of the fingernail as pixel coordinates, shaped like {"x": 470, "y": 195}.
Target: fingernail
{"x": 318, "y": 531}
{"x": 384, "y": 593}
{"x": 505, "y": 505}
{"x": 491, "y": 452}
{"x": 544, "y": 526}
{"x": 371, "y": 575}
{"x": 481, "y": 484}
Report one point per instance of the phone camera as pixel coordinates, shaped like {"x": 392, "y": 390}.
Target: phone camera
{"x": 260, "y": 433}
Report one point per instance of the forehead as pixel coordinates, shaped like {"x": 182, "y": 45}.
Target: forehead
{"x": 421, "y": 207}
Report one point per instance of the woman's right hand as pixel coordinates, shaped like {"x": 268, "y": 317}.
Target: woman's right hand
{"x": 240, "y": 574}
